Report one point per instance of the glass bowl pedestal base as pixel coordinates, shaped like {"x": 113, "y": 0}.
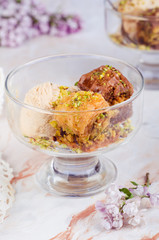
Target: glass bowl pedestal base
{"x": 76, "y": 177}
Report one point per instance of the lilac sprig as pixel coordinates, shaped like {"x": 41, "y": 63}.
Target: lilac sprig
{"x": 21, "y": 20}
{"x": 122, "y": 206}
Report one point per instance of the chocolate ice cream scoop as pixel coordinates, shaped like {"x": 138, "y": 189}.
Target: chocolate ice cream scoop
{"x": 108, "y": 81}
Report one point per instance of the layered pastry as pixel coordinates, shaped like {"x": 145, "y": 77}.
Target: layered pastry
{"x": 140, "y": 21}
{"x": 79, "y": 117}
{"x": 113, "y": 86}
{"x": 108, "y": 81}
{"x": 84, "y": 129}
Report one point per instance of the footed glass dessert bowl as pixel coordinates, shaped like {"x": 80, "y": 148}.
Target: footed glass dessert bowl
{"x": 135, "y": 24}
{"x": 75, "y": 108}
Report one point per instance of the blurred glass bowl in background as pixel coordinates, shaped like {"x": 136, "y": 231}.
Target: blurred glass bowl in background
{"x": 138, "y": 28}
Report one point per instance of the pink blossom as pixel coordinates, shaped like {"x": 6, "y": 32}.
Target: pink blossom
{"x": 154, "y": 199}
{"x": 131, "y": 206}
{"x": 139, "y": 190}
{"x": 131, "y": 212}
{"x": 125, "y": 206}
{"x": 113, "y": 195}
{"x": 135, "y": 220}
{"x": 111, "y": 216}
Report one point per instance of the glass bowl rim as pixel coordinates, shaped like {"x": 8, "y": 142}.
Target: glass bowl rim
{"x": 41, "y": 59}
{"x": 135, "y": 17}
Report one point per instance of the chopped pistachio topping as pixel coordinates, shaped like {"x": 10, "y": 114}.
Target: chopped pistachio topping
{"x": 123, "y": 2}
{"x": 79, "y": 98}
{"x": 102, "y": 75}
{"x": 53, "y": 124}
{"x": 101, "y": 115}
{"x": 63, "y": 92}
{"x": 42, "y": 142}
{"x": 119, "y": 39}
{"x": 124, "y": 84}
{"x": 63, "y": 88}
{"x": 116, "y": 133}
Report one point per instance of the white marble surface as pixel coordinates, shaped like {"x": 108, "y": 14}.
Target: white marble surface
{"x": 37, "y": 215}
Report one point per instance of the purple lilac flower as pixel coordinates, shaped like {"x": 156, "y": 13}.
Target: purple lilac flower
{"x": 154, "y": 199}
{"x": 123, "y": 206}
{"x": 113, "y": 195}
{"x": 111, "y": 216}
{"x": 135, "y": 220}
{"x": 131, "y": 212}
{"x": 131, "y": 206}
{"x": 21, "y": 20}
{"x": 139, "y": 190}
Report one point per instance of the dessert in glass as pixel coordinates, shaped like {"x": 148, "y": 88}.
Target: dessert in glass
{"x": 75, "y": 108}
{"x": 135, "y": 24}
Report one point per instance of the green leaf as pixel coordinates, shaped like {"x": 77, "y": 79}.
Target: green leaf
{"x": 126, "y": 192}
{"x": 134, "y": 183}
{"x": 76, "y": 83}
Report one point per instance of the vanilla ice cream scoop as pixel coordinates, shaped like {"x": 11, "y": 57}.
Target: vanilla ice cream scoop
{"x": 32, "y": 122}
{"x": 42, "y": 95}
